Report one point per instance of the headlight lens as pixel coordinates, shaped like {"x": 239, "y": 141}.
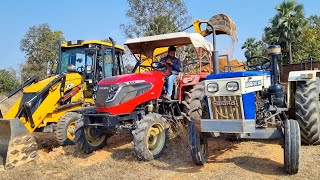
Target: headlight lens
{"x": 95, "y": 88}
{"x": 213, "y": 87}
{"x": 114, "y": 88}
{"x": 110, "y": 96}
{"x": 232, "y": 86}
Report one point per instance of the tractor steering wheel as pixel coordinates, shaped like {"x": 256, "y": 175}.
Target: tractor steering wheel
{"x": 157, "y": 65}
{"x": 80, "y": 69}
{"x": 258, "y": 65}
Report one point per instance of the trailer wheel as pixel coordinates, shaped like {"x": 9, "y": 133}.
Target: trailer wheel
{"x": 292, "y": 145}
{"x": 198, "y": 145}
{"x": 64, "y": 129}
{"x": 150, "y": 137}
{"x": 89, "y": 139}
{"x": 307, "y": 111}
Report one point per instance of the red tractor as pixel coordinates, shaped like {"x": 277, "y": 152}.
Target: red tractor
{"x": 134, "y": 103}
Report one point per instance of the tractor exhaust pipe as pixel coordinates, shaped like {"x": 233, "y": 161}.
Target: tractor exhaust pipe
{"x": 275, "y": 91}
{"x": 215, "y": 53}
{"x": 274, "y": 51}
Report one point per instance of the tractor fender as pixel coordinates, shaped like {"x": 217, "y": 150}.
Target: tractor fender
{"x": 303, "y": 75}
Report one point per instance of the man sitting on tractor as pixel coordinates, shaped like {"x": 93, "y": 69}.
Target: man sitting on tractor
{"x": 172, "y": 69}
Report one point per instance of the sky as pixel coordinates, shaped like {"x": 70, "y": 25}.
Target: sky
{"x": 100, "y": 19}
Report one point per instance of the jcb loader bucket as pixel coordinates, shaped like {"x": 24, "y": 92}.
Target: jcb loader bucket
{"x": 17, "y": 145}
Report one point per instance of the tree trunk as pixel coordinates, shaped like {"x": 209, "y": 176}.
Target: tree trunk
{"x": 290, "y": 53}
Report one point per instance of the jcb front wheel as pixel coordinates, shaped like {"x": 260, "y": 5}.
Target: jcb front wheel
{"x": 64, "y": 129}
{"x": 150, "y": 137}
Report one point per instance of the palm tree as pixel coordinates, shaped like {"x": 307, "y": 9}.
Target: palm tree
{"x": 286, "y": 25}
{"x": 253, "y": 48}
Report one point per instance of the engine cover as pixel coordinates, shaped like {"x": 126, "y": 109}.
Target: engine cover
{"x": 122, "y": 94}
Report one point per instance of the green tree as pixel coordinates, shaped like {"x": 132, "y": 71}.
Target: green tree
{"x": 8, "y": 80}
{"x": 286, "y": 26}
{"x": 307, "y": 44}
{"x": 40, "y": 45}
{"x": 150, "y": 17}
{"x": 254, "y": 48}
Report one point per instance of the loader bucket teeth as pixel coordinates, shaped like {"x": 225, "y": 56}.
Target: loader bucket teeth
{"x": 17, "y": 145}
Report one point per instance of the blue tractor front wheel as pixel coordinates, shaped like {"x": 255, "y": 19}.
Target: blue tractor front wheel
{"x": 198, "y": 145}
{"x": 292, "y": 146}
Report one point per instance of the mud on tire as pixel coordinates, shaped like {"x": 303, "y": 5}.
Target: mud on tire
{"x": 150, "y": 137}
{"x": 61, "y": 129}
{"x": 307, "y": 111}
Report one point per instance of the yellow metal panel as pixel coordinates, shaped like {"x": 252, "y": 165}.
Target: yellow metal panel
{"x": 94, "y": 42}
{"x": 13, "y": 110}
{"x": 39, "y": 85}
{"x": 54, "y": 117}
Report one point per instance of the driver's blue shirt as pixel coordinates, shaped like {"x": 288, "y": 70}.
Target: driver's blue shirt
{"x": 176, "y": 64}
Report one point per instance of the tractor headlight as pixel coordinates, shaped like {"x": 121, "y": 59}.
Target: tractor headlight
{"x": 232, "y": 86}
{"x": 213, "y": 87}
{"x": 95, "y": 88}
{"x": 110, "y": 96}
{"x": 114, "y": 88}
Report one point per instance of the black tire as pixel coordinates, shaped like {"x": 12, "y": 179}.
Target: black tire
{"x": 198, "y": 145}
{"x": 61, "y": 132}
{"x": 195, "y": 106}
{"x": 307, "y": 111}
{"x": 146, "y": 145}
{"x": 87, "y": 143}
{"x": 292, "y": 146}
{"x": 196, "y": 109}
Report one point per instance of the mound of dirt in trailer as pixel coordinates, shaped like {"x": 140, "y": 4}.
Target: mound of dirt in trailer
{"x": 227, "y": 160}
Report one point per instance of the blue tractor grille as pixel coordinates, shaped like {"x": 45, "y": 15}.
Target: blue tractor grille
{"x": 226, "y": 107}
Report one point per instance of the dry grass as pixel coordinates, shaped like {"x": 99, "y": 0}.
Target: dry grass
{"x": 227, "y": 160}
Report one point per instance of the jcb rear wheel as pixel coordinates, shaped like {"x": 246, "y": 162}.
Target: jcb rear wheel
{"x": 64, "y": 130}
{"x": 150, "y": 138}
{"x": 308, "y": 111}
{"x": 87, "y": 142}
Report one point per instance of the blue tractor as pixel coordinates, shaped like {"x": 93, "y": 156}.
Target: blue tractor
{"x": 249, "y": 104}
{"x": 253, "y": 104}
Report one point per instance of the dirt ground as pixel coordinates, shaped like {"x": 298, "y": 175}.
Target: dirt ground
{"x": 227, "y": 160}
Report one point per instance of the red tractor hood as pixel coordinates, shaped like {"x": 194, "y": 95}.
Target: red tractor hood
{"x": 150, "y": 76}
{"x": 145, "y": 86}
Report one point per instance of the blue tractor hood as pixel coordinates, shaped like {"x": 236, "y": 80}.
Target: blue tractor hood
{"x": 237, "y": 74}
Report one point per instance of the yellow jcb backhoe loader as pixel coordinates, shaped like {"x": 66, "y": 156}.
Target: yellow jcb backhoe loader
{"x": 47, "y": 105}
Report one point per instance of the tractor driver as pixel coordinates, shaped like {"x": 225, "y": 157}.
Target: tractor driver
{"x": 173, "y": 66}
